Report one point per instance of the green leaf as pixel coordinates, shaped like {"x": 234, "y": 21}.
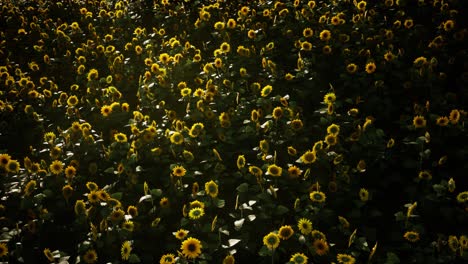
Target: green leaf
{"x": 281, "y": 209}
{"x": 117, "y": 195}
{"x": 134, "y": 259}
{"x": 156, "y": 192}
{"x": 392, "y": 258}
{"x": 244, "y": 187}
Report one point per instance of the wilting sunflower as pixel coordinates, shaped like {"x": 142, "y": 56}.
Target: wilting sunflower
{"x": 298, "y": 258}
{"x": 30, "y": 186}
{"x": 167, "y": 259}
{"x": 90, "y": 256}
{"x": 285, "y": 232}
{"x": 126, "y": 250}
{"x": 305, "y": 226}
{"x": 271, "y": 241}
{"x": 191, "y": 248}
{"x": 211, "y": 188}
{"x": 229, "y": 259}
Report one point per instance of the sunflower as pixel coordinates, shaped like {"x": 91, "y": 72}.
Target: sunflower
{"x": 463, "y": 242}
{"x": 30, "y": 186}
{"x": 317, "y": 196}
{"x": 321, "y": 247}
{"x": 48, "y": 255}
{"x": 266, "y": 90}
{"x": 411, "y": 236}
{"x": 67, "y": 191}
{"x": 329, "y": 98}
{"x": 191, "y": 248}
{"x": 92, "y": 186}
{"x": 93, "y": 197}
{"x": 453, "y": 243}
{"x": 70, "y": 172}
{"x": 164, "y": 202}
{"x": 3, "y": 250}
{"x": 120, "y": 137}
{"x": 425, "y": 175}
{"x": 4, "y": 159}
{"x": 229, "y": 259}
{"x": 80, "y": 207}
{"x": 196, "y": 213}
{"x": 296, "y": 124}
{"x": 277, "y": 113}
{"x": 317, "y": 235}
{"x": 240, "y": 161}
{"x": 167, "y": 259}
{"x": 308, "y": 157}
{"x": 294, "y": 172}
{"x": 370, "y": 67}
{"x": 72, "y": 100}
{"x": 256, "y": 171}
{"x": 419, "y": 121}
{"x": 345, "y": 259}
{"x": 462, "y": 197}
{"x": 180, "y": 234}
{"x": 442, "y": 121}
{"x": 178, "y": 171}
{"x": 333, "y": 129}
{"x": 285, "y": 232}
{"x": 306, "y": 45}
{"x": 274, "y": 170}
{"x": 305, "y": 226}
{"x": 90, "y": 256}
{"x": 363, "y": 195}
{"x": 351, "y": 68}
{"x": 117, "y": 215}
{"x": 56, "y": 167}
{"x": 126, "y": 249}
{"x": 307, "y": 32}
{"x": 177, "y": 138}
{"x": 128, "y": 225}
{"x": 454, "y": 116}
{"x": 292, "y": 151}
{"x": 271, "y": 241}
{"x": 298, "y": 258}
{"x": 325, "y": 35}
{"x": 196, "y": 203}
{"x": 331, "y": 139}
{"x": 211, "y": 188}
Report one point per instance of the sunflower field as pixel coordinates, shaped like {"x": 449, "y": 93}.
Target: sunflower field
{"x": 217, "y": 131}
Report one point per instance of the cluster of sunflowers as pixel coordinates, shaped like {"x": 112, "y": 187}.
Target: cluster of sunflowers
{"x": 233, "y": 131}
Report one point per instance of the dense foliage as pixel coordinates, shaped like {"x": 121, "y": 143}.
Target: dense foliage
{"x": 233, "y": 131}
